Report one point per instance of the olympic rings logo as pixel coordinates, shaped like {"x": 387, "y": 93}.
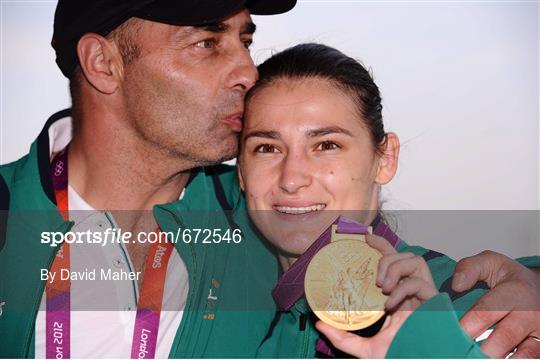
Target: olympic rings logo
{"x": 59, "y": 168}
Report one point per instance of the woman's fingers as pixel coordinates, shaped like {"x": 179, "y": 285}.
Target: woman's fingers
{"x": 403, "y": 267}
{"x": 410, "y": 287}
{"x": 347, "y": 342}
{"x": 380, "y": 243}
{"x": 372, "y": 347}
{"x": 386, "y": 261}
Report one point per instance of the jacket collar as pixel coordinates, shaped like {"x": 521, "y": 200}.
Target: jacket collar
{"x": 43, "y": 150}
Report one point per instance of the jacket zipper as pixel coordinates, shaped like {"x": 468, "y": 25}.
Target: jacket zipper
{"x": 185, "y": 321}
{"x": 305, "y": 342}
{"x": 186, "y": 316}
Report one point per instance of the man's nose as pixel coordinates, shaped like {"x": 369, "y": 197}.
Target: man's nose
{"x": 244, "y": 73}
{"x": 295, "y": 174}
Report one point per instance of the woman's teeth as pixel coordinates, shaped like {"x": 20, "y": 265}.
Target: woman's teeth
{"x": 299, "y": 210}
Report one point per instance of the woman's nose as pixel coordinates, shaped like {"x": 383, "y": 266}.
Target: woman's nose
{"x": 295, "y": 174}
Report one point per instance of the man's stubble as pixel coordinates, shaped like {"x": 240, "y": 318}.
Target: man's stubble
{"x": 180, "y": 121}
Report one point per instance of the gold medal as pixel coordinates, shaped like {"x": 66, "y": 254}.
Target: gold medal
{"x": 340, "y": 283}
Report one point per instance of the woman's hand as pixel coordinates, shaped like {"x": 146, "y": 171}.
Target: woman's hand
{"x": 407, "y": 280}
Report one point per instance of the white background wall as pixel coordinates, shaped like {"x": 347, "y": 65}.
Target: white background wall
{"x": 459, "y": 81}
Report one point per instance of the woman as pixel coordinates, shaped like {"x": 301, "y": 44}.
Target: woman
{"x": 314, "y": 140}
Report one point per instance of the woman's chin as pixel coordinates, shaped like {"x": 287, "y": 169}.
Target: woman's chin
{"x": 292, "y": 234}
{"x": 295, "y": 245}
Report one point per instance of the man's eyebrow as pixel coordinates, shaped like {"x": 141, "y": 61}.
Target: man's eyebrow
{"x": 221, "y": 27}
{"x": 218, "y": 27}
{"x": 328, "y": 130}
{"x": 263, "y": 134}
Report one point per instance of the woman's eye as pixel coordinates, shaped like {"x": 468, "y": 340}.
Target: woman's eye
{"x": 266, "y": 148}
{"x": 327, "y": 145}
{"x": 206, "y": 44}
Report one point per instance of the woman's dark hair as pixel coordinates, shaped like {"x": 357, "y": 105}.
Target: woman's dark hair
{"x": 320, "y": 61}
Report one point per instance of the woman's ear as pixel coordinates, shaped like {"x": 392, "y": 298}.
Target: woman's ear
{"x": 101, "y": 62}
{"x": 240, "y": 177}
{"x": 388, "y": 162}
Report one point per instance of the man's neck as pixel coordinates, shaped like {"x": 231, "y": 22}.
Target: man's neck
{"x": 107, "y": 184}
{"x": 120, "y": 173}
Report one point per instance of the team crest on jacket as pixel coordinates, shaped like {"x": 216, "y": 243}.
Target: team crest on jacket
{"x": 211, "y": 300}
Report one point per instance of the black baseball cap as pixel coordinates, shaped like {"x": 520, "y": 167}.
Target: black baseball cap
{"x": 74, "y": 18}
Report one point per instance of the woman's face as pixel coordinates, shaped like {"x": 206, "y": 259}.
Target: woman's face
{"x": 304, "y": 150}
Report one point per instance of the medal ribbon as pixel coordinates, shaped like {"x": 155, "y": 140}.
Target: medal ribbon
{"x": 58, "y": 299}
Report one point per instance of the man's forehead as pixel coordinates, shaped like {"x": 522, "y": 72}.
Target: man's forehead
{"x": 240, "y": 21}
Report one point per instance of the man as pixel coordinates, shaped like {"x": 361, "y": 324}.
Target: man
{"x": 153, "y": 83}
{"x": 157, "y": 89}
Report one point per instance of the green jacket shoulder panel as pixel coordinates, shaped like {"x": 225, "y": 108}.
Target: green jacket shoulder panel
{"x": 529, "y": 261}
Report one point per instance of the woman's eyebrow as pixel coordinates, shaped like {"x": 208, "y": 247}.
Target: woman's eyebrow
{"x": 263, "y": 134}
{"x": 328, "y": 130}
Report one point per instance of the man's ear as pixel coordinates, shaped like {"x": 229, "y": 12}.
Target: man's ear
{"x": 388, "y": 162}
{"x": 101, "y": 62}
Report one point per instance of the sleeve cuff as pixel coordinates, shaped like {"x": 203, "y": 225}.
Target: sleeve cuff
{"x": 433, "y": 331}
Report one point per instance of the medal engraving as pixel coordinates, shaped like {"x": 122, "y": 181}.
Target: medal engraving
{"x": 340, "y": 284}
